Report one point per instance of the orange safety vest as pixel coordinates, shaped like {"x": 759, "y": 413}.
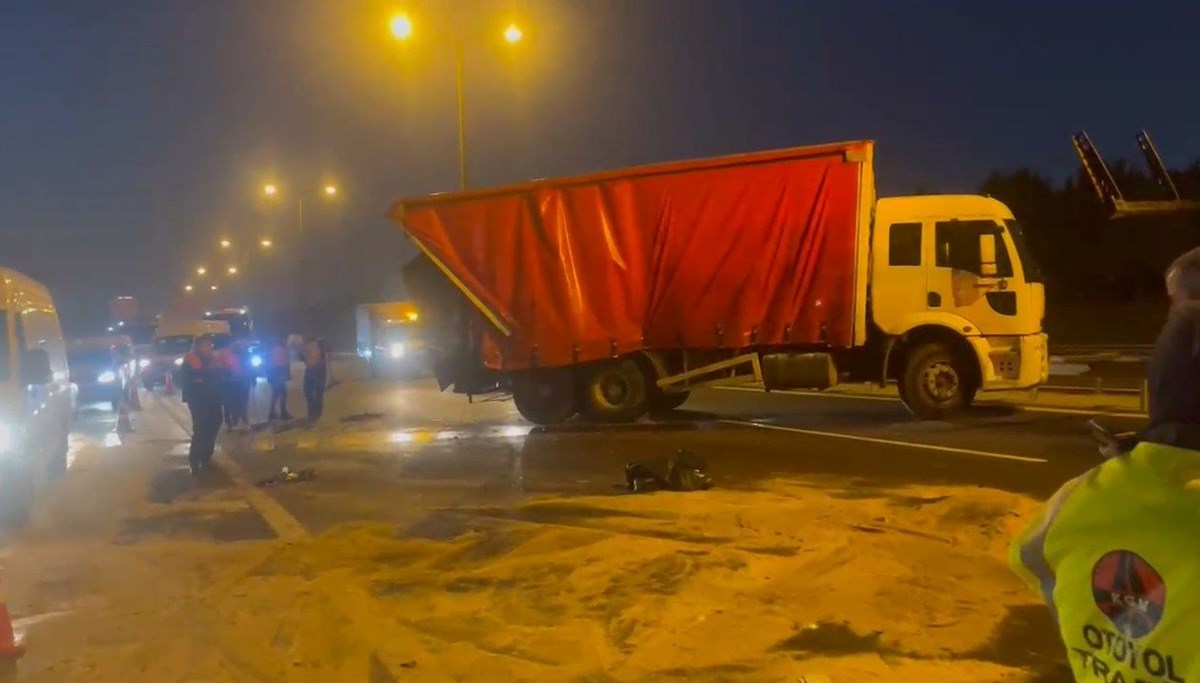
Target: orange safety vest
{"x": 280, "y": 358}
{"x": 232, "y": 360}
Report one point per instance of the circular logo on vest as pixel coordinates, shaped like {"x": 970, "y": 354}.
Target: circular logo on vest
{"x": 1130, "y": 592}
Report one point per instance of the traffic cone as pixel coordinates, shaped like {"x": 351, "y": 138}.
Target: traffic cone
{"x": 169, "y": 389}
{"x": 10, "y": 649}
{"x": 135, "y": 400}
{"x": 124, "y": 424}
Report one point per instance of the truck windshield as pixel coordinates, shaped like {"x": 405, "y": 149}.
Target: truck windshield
{"x": 176, "y": 345}
{"x": 1032, "y": 272}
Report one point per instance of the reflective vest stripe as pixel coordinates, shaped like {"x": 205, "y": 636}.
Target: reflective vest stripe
{"x": 1030, "y": 552}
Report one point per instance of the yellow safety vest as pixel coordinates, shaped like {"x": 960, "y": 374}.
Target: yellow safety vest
{"x": 1116, "y": 555}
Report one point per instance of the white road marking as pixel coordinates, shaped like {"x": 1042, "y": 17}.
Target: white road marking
{"x": 887, "y": 442}
{"x": 894, "y": 399}
{"x": 285, "y": 526}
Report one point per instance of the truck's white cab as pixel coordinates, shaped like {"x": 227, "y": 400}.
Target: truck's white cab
{"x": 36, "y": 398}
{"x": 954, "y": 271}
{"x": 173, "y": 339}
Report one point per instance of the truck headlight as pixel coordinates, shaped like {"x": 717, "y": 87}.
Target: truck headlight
{"x": 143, "y": 363}
{"x": 179, "y": 361}
{"x": 396, "y": 350}
{"x": 107, "y": 377}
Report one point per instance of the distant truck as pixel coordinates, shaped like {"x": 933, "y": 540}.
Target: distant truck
{"x": 172, "y": 341}
{"x": 617, "y": 293}
{"x": 241, "y": 323}
{"x": 389, "y": 335}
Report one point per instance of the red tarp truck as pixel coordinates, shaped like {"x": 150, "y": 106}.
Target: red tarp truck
{"x": 617, "y": 293}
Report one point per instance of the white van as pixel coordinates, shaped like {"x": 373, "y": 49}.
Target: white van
{"x": 172, "y": 340}
{"x": 36, "y": 397}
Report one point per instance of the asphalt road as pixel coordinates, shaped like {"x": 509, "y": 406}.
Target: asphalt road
{"x": 399, "y": 452}
{"x": 407, "y": 450}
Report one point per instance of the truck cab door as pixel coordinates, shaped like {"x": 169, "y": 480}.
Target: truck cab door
{"x": 898, "y": 274}
{"x": 973, "y": 276}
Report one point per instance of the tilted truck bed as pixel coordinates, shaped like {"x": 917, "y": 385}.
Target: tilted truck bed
{"x": 733, "y": 252}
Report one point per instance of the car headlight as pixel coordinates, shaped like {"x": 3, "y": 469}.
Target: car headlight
{"x": 179, "y": 361}
{"x": 107, "y": 377}
{"x": 143, "y": 363}
{"x": 396, "y": 350}
{"x": 255, "y": 361}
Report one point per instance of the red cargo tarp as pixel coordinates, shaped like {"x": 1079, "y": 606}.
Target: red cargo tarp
{"x": 733, "y": 252}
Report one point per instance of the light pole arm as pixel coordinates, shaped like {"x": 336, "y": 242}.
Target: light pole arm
{"x": 462, "y": 116}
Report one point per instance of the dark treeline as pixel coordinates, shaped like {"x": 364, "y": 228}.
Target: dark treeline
{"x": 1085, "y": 255}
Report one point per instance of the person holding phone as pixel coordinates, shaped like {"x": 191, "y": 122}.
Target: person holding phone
{"x": 1115, "y": 554}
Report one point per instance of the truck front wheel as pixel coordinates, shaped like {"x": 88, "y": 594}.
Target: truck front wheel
{"x": 545, "y": 397}
{"x": 936, "y": 382}
{"x": 615, "y": 391}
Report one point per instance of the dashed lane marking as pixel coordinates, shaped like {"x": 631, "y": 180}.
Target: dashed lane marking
{"x": 888, "y": 442}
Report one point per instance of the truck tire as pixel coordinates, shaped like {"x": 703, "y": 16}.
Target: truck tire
{"x": 615, "y": 391}
{"x": 545, "y": 397}
{"x": 936, "y": 382}
{"x": 662, "y": 402}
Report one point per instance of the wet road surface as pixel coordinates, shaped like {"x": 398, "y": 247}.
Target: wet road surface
{"x": 433, "y": 466}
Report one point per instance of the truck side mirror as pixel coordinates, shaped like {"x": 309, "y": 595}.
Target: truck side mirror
{"x": 987, "y": 255}
{"x": 35, "y": 367}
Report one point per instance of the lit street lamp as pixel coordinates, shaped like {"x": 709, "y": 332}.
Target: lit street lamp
{"x": 212, "y": 287}
{"x": 402, "y": 30}
{"x": 188, "y": 288}
{"x": 225, "y": 244}
{"x": 265, "y": 243}
{"x": 329, "y": 192}
{"x": 202, "y": 270}
{"x": 232, "y": 270}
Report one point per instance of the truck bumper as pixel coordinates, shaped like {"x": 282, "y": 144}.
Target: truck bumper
{"x": 1008, "y": 363}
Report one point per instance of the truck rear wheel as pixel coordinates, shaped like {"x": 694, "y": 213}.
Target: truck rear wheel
{"x": 615, "y": 391}
{"x": 545, "y": 397}
{"x": 936, "y": 382}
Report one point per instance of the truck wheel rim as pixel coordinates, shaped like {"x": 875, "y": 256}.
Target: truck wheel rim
{"x": 614, "y": 390}
{"x": 941, "y": 381}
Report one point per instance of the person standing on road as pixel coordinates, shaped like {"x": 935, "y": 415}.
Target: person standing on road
{"x": 279, "y": 371}
{"x": 1115, "y": 553}
{"x": 204, "y": 378}
{"x": 315, "y": 375}
{"x": 231, "y": 358}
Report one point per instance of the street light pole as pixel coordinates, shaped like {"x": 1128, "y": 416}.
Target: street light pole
{"x": 462, "y": 116}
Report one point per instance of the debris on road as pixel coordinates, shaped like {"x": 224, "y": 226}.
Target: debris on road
{"x": 287, "y": 476}
{"x": 682, "y": 472}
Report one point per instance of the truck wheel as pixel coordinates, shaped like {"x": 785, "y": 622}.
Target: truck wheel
{"x": 615, "y": 391}
{"x": 662, "y": 402}
{"x": 936, "y": 382}
{"x": 545, "y": 397}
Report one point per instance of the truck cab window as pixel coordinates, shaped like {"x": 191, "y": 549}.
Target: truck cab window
{"x": 904, "y": 244}
{"x": 957, "y": 244}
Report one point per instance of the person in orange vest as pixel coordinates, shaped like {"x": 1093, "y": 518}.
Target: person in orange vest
{"x": 237, "y": 396}
{"x": 315, "y": 375}
{"x": 204, "y": 378}
{"x": 279, "y": 371}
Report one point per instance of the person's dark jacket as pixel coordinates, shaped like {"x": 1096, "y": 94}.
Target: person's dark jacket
{"x": 1173, "y": 377}
{"x": 202, "y": 378}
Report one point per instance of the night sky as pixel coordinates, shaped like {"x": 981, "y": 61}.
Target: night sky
{"x": 133, "y": 133}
